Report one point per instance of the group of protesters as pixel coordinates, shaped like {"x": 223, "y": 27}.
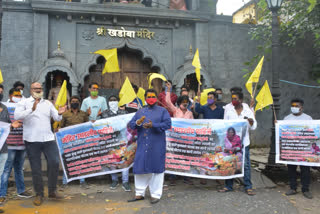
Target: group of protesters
{"x": 32, "y": 134}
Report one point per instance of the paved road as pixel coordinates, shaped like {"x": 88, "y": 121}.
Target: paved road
{"x": 182, "y": 199}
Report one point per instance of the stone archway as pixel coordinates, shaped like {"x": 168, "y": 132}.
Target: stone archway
{"x": 125, "y": 43}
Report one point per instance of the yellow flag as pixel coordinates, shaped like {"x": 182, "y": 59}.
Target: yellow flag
{"x": 153, "y": 76}
{"x": 1, "y": 78}
{"x": 111, "y": 57}
{"x": 140, "y": 95}
{"x": 62, "y": 96}
{"x": 126, "y": 93}
{"x": 196, "y": 63}
{"x": 254, "y": 76}
{"x": 264, "y": 98}
{"x": 204, "y": 95}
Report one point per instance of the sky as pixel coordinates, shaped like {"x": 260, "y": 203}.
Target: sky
{"x": 227, "y": 7}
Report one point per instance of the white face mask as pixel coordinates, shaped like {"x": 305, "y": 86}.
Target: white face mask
{"x": 21, "y": 91}
{"x": 16, "y": 99}
{"x": 37, "y": 95}
{"x": 295, "y": 110}
{"x": 113, "y": 105}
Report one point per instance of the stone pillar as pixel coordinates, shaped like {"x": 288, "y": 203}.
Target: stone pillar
{"x": 40, "y": 42}
{"x": 74, "y": 90}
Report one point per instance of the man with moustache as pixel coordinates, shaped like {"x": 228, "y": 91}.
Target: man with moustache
{"x": 36, "y": 114}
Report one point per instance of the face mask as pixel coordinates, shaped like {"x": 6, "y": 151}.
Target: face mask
{"x": 1, "y": 97}
{"x": 235, "y": 102}
{"x": 74, "y": 105}
{"x": 184, "y": 106}
{"x": 151, "y": 101}
{"x": 94, "y": 93}
{"x": 295, "y": 110}
{"x": 219, "y": 97}
{"x": 113, "y": 105}
{"x": 210, "y": 102}
{"x": 37, "y": 95}
{"x": 21, "y": 91}
{"x": 16, "y": 99}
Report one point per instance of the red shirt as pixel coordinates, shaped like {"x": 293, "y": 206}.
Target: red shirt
{"x": 162, "y": 100}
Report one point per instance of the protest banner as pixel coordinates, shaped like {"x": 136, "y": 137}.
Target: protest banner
{"x": 196, "y": 148}
{"x": 92, "y": 149}
{"x": 4, "y": 132}
{"x": 15, "y": 137}
{"x": 203, "y": 149}
{"x": 297, "y": 142}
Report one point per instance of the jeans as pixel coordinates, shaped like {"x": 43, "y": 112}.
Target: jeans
{"x": 15, "y": 159}
{"x": 305, "y": 177}
{"x": 247, "y": 173}
{"x": 64, "y": 179}
{"x": 3, "y": 159}
{"x": 125, "y": 176}
{"x": 50, "y": 151}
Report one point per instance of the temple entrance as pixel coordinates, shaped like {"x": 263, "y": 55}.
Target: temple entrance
{"x": 192, "y": 83}
{"x": 132, "y": 65}
{"x": 51, "y": 82}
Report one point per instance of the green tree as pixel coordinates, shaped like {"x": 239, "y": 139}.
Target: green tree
{"x": 298, "y": 18}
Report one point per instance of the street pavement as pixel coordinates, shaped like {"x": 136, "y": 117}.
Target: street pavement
{"x": 182, "y": 198}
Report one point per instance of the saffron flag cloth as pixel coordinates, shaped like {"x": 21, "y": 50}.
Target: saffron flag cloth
{"x": 298, "y": 142}
{"x": 62, "y": 96}
{"x": 264, "y": 98}
{"x": 153, "y": 76}
{"x": 1, "y": 78}
{"x": 254, "y": 78}
{"x": 4, "y": 132}
{"x": 196, "y": 63}
{"x": 204, "y": 95}
{"x": 111, "y": 57}
{"x": 127, "y": 93}
{"x": 140, "y": 95}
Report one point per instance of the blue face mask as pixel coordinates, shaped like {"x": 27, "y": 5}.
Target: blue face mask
{"x": 210, "y": 102}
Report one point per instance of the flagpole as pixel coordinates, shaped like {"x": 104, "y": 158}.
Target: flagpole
{"x": 254, "y": 91}
{"x": 274, "y": 113}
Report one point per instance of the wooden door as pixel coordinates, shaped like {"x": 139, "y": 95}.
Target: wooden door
{"x": 131, "y": 66}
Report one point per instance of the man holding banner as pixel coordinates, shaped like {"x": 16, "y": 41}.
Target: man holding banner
{"x": 36, "y": 114}
{"x": 149, "y": 163}
{"x": 297, "y": 114}
{"x": 240, "y": 111}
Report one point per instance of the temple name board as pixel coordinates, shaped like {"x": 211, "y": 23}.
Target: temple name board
{"x": 142, "y": 33}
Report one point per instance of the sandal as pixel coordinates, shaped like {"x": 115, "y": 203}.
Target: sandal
{"x": 136, "y": 199}
{"x": 250, "y": 192}
{"x": 225, "y": 190}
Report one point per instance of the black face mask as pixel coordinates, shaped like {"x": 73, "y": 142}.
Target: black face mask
{"x": 1, "y": 97}
{"x": 74, "y": 105}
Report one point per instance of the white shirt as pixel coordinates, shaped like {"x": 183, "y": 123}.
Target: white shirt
{"x": 231, "y": 114}
{"x": 230, "y": 106}
{"x": 36, "y": 124}
{"x": 303, "y": 116}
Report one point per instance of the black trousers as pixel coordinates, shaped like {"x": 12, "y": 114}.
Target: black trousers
{"x": 51, "y": 153}
{"x": 305, "y": 177}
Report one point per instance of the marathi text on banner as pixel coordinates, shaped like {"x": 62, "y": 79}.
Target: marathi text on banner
{"x": 297, "y": 142}
{"x": 92, "y": 149}
{"x": 206, "y": 148}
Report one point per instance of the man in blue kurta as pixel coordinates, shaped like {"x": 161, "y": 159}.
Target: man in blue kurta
{"x": 149, "y": 164}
